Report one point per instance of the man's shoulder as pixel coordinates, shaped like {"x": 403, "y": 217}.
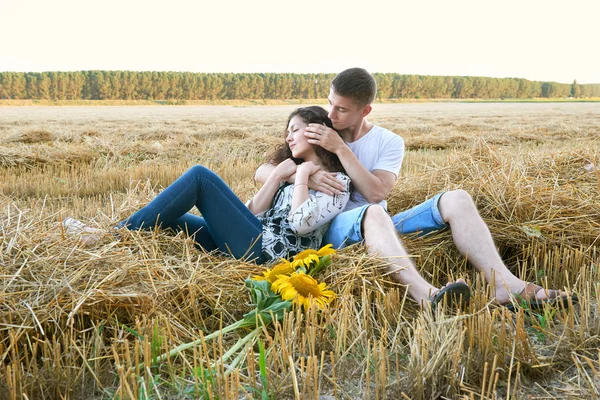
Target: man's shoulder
{"x": 383, "y": 134}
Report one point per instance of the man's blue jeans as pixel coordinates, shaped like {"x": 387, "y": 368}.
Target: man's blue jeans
{"x": 226, "y": 223}
{"x": 346, "y": 228}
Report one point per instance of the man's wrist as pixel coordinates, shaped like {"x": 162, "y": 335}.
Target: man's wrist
{"x": 341, "y": 151}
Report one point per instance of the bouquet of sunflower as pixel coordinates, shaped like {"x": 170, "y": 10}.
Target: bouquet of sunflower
{"x": 273, "y": 294}
{"x": 294, "y": 280}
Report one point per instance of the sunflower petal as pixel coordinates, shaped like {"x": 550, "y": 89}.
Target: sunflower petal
{"x": 303, "y": 254}
{"x": 326, "y": 250}
{"x": 302, "y": 290}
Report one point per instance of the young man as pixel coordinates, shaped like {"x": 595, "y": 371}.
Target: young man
{"x": 372, "y": 157}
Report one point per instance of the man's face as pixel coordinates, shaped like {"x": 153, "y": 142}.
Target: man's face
{"x": 344, "y": 112}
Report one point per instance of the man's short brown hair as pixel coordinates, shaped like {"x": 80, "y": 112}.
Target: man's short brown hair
{"x": 357, "y": 84}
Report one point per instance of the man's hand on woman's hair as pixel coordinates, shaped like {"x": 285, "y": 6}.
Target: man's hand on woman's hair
{"x": 324, "y": 136}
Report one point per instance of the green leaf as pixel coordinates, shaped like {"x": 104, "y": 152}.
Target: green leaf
{"x": 267, "y": 305}
{"x": 262, "y": 362}
{"x": 261, "y": 294}
{"x": 532, "y": 231}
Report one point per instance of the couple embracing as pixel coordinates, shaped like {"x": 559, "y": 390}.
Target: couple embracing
{"x": 327, "y": 183}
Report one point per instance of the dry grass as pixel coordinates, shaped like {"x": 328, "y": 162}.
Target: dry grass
{"x": 75, "y": 322}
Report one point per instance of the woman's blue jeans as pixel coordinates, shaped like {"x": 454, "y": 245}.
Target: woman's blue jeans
{"x": 226, "y": 223}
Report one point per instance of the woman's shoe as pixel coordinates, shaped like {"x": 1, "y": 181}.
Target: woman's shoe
{"x": 87, "y": 236}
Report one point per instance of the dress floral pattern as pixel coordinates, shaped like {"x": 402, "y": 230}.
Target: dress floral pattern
{"x": 286, "y": 234}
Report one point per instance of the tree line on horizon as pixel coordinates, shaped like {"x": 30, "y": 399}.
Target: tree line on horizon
{"x": 156, "y": 85}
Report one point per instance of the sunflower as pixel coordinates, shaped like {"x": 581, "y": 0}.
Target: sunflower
{"x": 307, "y": 257}
{"x": 303, "y": 289}
{"x": 283, "y": 268}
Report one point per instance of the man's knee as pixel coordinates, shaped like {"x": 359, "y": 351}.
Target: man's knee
{"x": 375, "y": 213}
{"x": 455, "y": 203}
{"x": 375, "y": 216}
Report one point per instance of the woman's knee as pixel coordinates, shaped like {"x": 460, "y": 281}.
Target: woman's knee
{"x": 198, "y": 170}
{"x": 200, "y": 173}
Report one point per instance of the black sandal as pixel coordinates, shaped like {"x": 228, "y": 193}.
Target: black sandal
{"x": 457, "y": 292}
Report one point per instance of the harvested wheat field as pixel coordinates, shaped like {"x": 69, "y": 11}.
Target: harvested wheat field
{"x": 100, "y": 322}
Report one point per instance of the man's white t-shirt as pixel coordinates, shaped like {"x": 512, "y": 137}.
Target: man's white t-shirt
{"x": 378, "y": 149}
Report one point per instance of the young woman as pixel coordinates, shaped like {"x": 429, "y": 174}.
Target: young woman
{"x": 281, "y": 220}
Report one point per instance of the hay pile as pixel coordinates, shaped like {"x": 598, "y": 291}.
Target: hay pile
{"x": 33, "y": 136}
{"x": 75, "y": 321}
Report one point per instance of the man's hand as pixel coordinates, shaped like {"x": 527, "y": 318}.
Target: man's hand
{"x": 285, "y": 169}
{"x": 325, "y": 137}
{"x": 326, "y": 182}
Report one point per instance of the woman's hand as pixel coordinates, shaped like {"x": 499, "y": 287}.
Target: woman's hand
{"x": 307, "y": 169}
{"x": 263, "y": 199}
{"x": 285, "y": 169}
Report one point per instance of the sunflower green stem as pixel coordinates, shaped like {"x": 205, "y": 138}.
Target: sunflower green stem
{"x": 243, "y": 342}
{"x": 185, "y": 346}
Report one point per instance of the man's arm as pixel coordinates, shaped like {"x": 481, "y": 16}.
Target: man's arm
{"x": 374, "y": 186}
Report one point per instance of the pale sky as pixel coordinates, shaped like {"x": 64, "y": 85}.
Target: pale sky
{"x": 538, "y": 40}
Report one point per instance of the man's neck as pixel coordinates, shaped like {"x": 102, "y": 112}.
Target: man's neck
{"x": 353, "y": 133}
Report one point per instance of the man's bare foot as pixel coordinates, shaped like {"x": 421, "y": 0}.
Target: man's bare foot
{"x": 530, "y": 293}
{"x": 87, "y": 236}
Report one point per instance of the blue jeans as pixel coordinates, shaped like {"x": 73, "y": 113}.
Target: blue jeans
{"x": 346, "y": 228}
{"x": 226, "y": 223}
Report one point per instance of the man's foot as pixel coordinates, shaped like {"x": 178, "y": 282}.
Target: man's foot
{"x": 456, "y": 293}
{"x": 87, "y": 236}
{"x": 533, "y": 297}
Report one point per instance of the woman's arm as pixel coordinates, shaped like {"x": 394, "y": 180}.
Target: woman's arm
{"x": 263, "y": 172}
{"x": 321, "y": 181}
{"x": 303, "y": 174}
{"x": 263, "y": 198}
{"x": 319, "y": 209}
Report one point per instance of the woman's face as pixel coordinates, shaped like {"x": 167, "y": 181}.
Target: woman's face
{"x": 296, "y": 140}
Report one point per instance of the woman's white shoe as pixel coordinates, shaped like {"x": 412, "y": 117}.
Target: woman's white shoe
{"x": 87, "y": 235}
